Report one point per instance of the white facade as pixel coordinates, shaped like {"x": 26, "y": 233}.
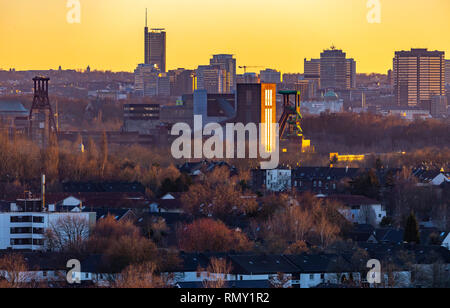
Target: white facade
{"x": 364, "y": 214}
{"x": 321, "y": 106}
{"x": 446, "y": 242}
{"x": 26, "y": 230}
{"x": 278, "y": 180}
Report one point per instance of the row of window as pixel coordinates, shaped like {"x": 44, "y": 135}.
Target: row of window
{"x": 27, "y": 230}
{"x": 20, "y": 219}
{"x": 316, "y": 184}
{"x": 26, "y": 241}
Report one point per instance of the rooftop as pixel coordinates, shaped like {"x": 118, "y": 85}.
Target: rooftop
{"x": 12, "y": 107}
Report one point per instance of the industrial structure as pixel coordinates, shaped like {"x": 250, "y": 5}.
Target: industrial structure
{"x": 42, "y": 120}
{"x": 291, "y": 131}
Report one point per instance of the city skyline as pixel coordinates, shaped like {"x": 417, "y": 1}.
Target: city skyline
{"x": 199, "y": 29}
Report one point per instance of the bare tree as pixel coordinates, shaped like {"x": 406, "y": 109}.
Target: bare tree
{"x": 68, "y": 233}
{"x": 141, "y": 276}
{"x": 216, "y": 273}
{"x": 367, "y": 215}
{"x": 280, "y": 281}
{"x": 14, "y": 272}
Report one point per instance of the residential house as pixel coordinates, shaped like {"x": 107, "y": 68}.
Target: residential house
{"x": 360, "y": 209}
{"x": 275, "y": 180}
{"x": 322, "y": 180}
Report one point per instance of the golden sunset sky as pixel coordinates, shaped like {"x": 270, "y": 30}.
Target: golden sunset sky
{"x": 270, "y": 33}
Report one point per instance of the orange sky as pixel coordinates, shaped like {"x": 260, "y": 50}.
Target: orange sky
{"x": 270, "y": 33}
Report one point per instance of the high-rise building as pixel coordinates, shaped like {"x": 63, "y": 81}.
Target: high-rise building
{"x": 439, "y": 106}
{"x": 181, "y": 82}
{"x": 155, "y": 47}
{"x": 336, "y": 71}
{"x": 418, "y": 76}
{"x": 256, "y": 103}
{"x": 270, "y": 76}
{"x": 447, "y": 72}
{"x": 311, "y": 70}
{"x": 228, "y": 64}
{"x": 211, "y": 78}
{"x": 351, "y": 74}
{"x": 146, "y": 80}
{"x": 163, "y": 85}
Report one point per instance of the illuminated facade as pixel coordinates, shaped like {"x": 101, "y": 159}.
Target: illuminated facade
{"x": 269, "y": 115}
{"x": 418, "y": 76}
{"x": 335, "y": 157}
{"x": 256, "y": 103}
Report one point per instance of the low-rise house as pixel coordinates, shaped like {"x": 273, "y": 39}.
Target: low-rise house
{"x": 169, "y": 203}
{"x": 316, "y": 269}
{"x": 360, "y": 209}
{"x": 446, "y": 241}
{"x": 434, "y": 177}
{"x": 201, "y": 168}
{"x": 322, "y": 180}
{"x": 276, "y": 180}
{"x": 262, "y": 267}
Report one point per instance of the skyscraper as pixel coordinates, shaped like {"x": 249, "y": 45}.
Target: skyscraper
{"x": 228, "y": 64}
{"x": 418, "y": 76}
{"x": 336, "y": 71}
{"x": 311, "y": 70}
{"x": 211, "y": 78}
{"x": 155, "y": 47}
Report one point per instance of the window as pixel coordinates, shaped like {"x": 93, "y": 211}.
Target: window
{"x": 311, "y": 277}
{"x": 38, "y": 219}
{"x": 20, "y": 219}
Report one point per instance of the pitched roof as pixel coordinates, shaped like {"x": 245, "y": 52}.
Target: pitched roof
{"x": 232, "y": 284}
{"x": 319, "y": 263}
{"x": 12, "y": 107}
{"x": 325, "y": 173}
{"x": 261, "y": 264}
{"x": 389, "y": 235}
{"x": 353, "y": 200}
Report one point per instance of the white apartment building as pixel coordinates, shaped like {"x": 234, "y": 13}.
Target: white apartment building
{"x": 23, "y": 227}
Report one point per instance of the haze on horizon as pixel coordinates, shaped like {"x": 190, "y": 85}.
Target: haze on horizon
{"x": 269, "y": 33}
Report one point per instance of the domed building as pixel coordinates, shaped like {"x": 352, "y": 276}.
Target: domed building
{"x": 329, "y": 102}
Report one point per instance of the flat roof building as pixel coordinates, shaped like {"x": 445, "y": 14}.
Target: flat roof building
{"x": 418, "y": 76}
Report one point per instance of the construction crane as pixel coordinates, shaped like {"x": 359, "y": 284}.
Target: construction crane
{"x": 246, "y": 66}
